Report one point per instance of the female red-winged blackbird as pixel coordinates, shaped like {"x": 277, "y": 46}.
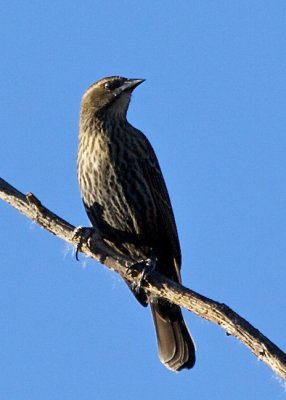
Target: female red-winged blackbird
{"x": 126, "y": 198}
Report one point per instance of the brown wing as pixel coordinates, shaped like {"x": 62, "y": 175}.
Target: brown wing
{"x": 154, "y": 177}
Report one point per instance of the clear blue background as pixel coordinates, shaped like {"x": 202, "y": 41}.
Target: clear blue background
{"x": 213, "y": 106}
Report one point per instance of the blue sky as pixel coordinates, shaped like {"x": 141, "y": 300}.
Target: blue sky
{"x": 213, "y": 107}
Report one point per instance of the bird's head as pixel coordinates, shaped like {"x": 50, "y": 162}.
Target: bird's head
{"x": 110, "y": 95}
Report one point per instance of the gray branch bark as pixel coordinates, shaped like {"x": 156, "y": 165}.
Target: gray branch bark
{"x": 156, "y": 284}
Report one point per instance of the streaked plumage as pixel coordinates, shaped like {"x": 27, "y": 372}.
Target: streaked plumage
{"x": 125, "y": 196}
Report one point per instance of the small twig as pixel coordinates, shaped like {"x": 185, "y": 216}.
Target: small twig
{"x": 156, "y": 284}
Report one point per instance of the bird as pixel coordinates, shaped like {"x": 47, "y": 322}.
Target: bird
{"x": 126, "y": 199}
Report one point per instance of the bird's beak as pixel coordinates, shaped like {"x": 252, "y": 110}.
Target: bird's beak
{"x": 130, "y": 85}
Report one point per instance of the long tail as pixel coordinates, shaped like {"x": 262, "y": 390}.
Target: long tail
{"x": 175, "y": 345}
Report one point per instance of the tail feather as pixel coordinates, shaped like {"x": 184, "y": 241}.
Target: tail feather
{"x": 175, "y": 344}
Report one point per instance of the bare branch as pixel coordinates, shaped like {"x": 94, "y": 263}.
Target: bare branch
{"x": 156, "y": 284}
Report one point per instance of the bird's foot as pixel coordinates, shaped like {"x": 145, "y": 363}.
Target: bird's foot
{"x": 146, "y": 267}
{"x": 84, "y": 234}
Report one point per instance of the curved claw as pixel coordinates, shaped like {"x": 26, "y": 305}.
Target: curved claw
{"x": 78, "y": 248}
{"x": 150, "y": 265}
{"x": 84, "y": 234}
{"x": 146, "y": 267}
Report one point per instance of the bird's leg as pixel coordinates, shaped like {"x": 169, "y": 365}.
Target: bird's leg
{"x": 146, "y": 268}
{"x": 96, "y": 242}
{"x": 84, "y": 233}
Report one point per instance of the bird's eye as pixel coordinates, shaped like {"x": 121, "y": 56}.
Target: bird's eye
{"x": 111, "y": 85}
{"x": 107, "y": 85}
